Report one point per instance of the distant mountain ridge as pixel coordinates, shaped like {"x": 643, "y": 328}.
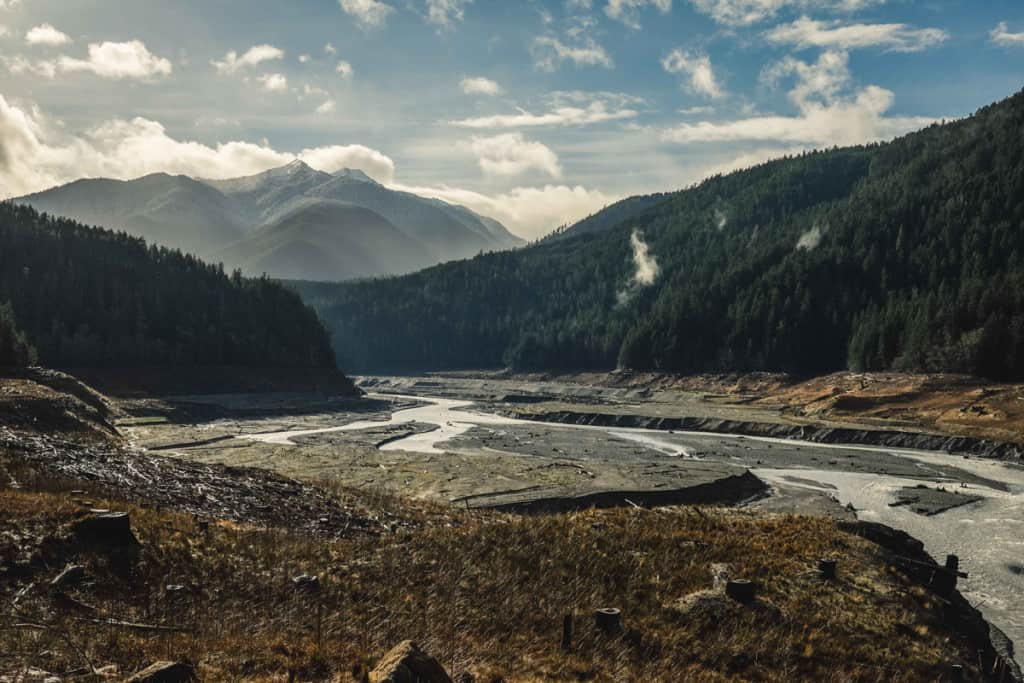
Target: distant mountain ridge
{"x": 344, "y": 225}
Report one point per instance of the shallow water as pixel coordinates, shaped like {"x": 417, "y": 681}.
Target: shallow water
{"x": 987, "y": 535}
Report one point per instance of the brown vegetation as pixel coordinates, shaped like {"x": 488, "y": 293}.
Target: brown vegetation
{"x": 484, "y": 593}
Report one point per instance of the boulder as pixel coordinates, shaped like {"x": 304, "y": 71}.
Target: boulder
{"x": 407, "y": 663}
{"x": 164, "y": 672}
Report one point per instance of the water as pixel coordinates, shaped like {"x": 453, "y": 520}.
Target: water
{"x": 987, "y": 535}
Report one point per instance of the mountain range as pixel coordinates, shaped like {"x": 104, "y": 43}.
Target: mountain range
{"x": 289, "y": 222}
{"x": 905, "y": 255}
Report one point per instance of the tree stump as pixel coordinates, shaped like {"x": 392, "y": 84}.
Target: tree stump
{"x": 827, "y": 568}
{"x": 567, "y": 632}
{"x": 109, "y": 529}
{"x": 608, "y": 620}
{"x": 741, "y": 590}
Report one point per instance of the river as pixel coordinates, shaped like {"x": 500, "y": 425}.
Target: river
{"x": 987, "y": 535}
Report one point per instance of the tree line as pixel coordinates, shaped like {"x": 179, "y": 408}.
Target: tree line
{"x": 903, "y": 255}
{"x": 78, "y": 296}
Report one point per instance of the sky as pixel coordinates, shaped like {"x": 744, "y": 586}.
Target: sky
{"x": 534, "y": 112}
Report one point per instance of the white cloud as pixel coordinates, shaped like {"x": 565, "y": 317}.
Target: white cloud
{"x": 329, "y": 49}
{"x": 311, "y": 91}
{"x": 256, "y": 54}
{"x": 805, "y": 33}
{"x": 530, "y": 212}
{"x": 445, "y": 13}
{"x": 596, "y": 112}
{"x": 746, "y": 12}
{"x": 119, "y": 61}
{"x": 367, "y": 13}
{"x": 46, "y": 34}
{"x": 3, "y": 31}
{"x": 274, "y": 82}
{"x": 698, "y": 70}
{"x": 304, "y": 59}
{"x": 549, "y": 52}
{"x": 626, "y": 10}
{"x": 826, "y": 117}
{"x": 7, "y": 4}
{"x": 511, "y": 155}
{"x": 40, "y": 154}
{"x": 327, "y": 107}
{"x": 479, "y": 86}
{"x": 1001, "y": 36}
{"x": 19, "y": 64}
{"x": 344, "y": 69}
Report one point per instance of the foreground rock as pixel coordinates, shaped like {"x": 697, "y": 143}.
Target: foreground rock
{"x": 164, "y": 672}
{"x": 407, "y": 663}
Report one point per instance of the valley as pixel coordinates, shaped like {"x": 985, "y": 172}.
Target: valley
{"x": 469, "y": 442}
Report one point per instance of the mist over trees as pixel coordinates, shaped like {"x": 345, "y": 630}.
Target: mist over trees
{"x": 87, "y": 297}
{"x": 906, "y": 255}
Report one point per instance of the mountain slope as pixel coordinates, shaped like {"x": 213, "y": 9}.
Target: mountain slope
{"x": 326, "y": 240}
{"x": 172, "y": 210}
{"x": 908, "y": 254}
{"x": 91, "y": 298}
{"x": 215, "y": 218}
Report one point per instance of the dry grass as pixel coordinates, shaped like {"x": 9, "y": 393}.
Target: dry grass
{"x": 484, "y": 593}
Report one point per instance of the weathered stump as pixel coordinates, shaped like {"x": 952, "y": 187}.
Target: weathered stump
{"x": 741, "y": 590}
{"x": 567, "y": 632}
{"x": 827, "y": 568}
{"x": 608, "y": 620}
{"x": 108, "y": 529}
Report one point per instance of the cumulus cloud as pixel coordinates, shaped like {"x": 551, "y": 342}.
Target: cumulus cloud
{"x": 511, "y": 155}
{"x": 46, "y": 34}
{"x": 274, "y": 82}
{"x": 119, "y": 61}
{"x": 747, "y": 12}
{"x": 479, "y": 86}
{"x": 327, "y": 107}
{"x": 806, "y": 33}
{"x": 699, "y": 74}
{"x": 827, "y": 116}
{"x": 345, "y": 70}
{"x": 1001, "y": 36}
{"x": 257, "y": 54}
{"x": 626, "y": 10}
{"x": 550, "y": 52}
{"x": 530, "y": 212}
{"x": 367, "y": 13}
{"x": 445, "y": 13}
{"x": 39, "y": 154}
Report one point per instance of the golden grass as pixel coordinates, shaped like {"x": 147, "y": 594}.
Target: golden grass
{"x": 483, "y": 593}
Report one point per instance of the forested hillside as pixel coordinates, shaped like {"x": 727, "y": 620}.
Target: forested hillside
{"x": 906, "y": 255}
{"x": 87, "y": 297}
{"x": 15, "y": 350}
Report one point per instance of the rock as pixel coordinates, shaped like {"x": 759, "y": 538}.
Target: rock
{"x": 72, "y": 575}
{"x": 306, "y": 583}
{"x": 164, "y": 672}
{"x": 110, "y": 529}
{"x": 407, "y": 663}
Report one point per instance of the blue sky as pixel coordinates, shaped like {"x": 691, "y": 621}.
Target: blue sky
{"x": 534, "y": 112}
